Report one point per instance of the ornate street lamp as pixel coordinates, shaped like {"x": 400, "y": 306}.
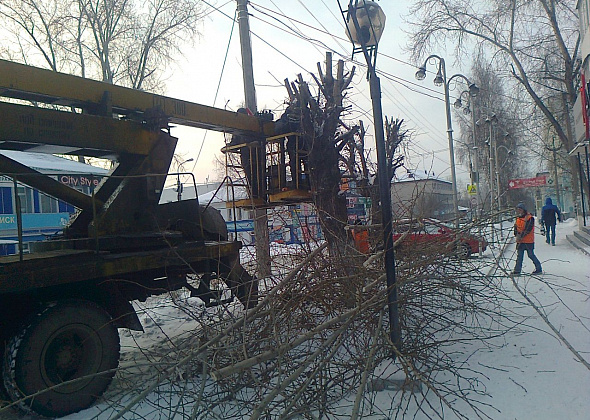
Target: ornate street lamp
{"x": 365, "y": 22}
{"x": 441, "y": 80}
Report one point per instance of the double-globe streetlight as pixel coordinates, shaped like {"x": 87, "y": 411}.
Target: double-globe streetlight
{"x": 365, "y": 22}
{"x": 441, "y": 80}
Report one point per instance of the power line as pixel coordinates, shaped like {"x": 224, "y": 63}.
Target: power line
{"x": 314, "y": 42}
{"x": 217, "y": 90}
{"x": 389, "y": 76}
{"x": 362, "y": 65}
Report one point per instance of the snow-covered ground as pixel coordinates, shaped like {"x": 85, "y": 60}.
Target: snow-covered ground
{"x": 538, "y": 370}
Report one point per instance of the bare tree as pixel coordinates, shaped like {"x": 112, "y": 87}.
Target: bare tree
{"x": 536, "y": 41}
{"x": 36, "y": 25}
{"x": 118, "y": 41}
{"x": 337, "y": 149}
{"x": 497, "y": 119}
{"x": 133, "y": 43}
{"x": 395, "y": 135}
{"x": 325, "y": 138}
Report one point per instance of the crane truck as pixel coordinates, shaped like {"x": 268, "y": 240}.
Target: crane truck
{"x": 61, "y": 304}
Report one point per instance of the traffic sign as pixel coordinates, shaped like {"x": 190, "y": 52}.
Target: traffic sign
{"x": 472, "y": 189}
{"x": 527, "y": 182}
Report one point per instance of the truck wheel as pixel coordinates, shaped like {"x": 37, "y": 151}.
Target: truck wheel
{"x": 463, "y": 250}
{"x": 67, "y": 340}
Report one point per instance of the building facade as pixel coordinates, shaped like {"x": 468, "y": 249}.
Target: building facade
{"x": 582, "y": 105}
{"x": 42, "y": 215}
{"x": 414, "y": 195}
{"x": 581, "y": 108}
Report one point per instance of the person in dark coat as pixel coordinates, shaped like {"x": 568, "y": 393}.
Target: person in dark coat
{"x": 524, "y": 231}
{"x": 550, "y": 214}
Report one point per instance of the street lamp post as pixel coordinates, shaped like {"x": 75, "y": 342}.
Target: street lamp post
{"x": 508, "y": 152}
{"x": 473, "y": 171}
{"x": 493, "y": 153}
{"x": 365, "y": 22}
{"x": 499, "y": 168}
{"x": 179, "y": 186}
{"x": 441, "y": 79}
{"x": 555, "y": 175}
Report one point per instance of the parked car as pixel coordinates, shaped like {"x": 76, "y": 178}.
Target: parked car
{"x": 428, "y": 233}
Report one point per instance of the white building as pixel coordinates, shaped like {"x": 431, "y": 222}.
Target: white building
{"x": 414, "y": 194}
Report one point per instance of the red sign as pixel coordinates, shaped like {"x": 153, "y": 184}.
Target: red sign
{"x": 527, "y": 182}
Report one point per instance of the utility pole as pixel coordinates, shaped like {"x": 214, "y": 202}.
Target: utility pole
{"x": 497, "y": 169}
{"x": 491, "y": 159}
{"x": 554, "y": 150}
{"x": 260, "y": 216}
{"x": 475, "y": 171}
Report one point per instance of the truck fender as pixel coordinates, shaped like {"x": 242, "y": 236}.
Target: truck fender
{"x": 120, "y": 309}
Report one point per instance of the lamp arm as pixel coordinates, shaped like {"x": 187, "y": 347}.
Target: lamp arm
{"x": 459, "y": 75}
{"x": 440, "y": 59}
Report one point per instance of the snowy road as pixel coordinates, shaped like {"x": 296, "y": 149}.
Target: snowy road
{"x": 538, "y": 373}
{"x": 538, "y": 370}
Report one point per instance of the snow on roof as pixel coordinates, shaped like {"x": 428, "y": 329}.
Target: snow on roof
{"x": 409, "y": 176}
{"x": 222, "y": 195}
{"x": 47, "y": 163}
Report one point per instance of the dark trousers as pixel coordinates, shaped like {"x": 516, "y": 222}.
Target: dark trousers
{"x": 529, "y": 248}
{"x": 550, "y": 228}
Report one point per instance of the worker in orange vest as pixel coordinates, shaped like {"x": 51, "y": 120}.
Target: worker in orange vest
{"x": 361, "y": 238}
{"x": 524, "y": 231}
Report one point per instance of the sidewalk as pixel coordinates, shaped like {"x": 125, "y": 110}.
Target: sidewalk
{"x": 537, "y": 373}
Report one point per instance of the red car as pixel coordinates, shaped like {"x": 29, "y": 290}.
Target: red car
{"x": 429, "y": 233}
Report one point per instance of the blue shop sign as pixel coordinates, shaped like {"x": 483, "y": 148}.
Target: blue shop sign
{"x": 35, "y": 220}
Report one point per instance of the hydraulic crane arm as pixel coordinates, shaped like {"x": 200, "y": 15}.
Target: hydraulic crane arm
{"x": 34, "y": 129}
{"x": 92, "y": 118}
{"x": 35, "y": 84}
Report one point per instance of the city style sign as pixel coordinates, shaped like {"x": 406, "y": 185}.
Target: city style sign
{"x": 80, "y": 180}
{"x": 527, "y": 182}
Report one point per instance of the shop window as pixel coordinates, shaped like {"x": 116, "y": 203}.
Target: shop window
{"x": 25, "y": 194}
{"x": 6, "y": 200}
{"x": 47, "y": 204}
{"x": 65, "y": 207}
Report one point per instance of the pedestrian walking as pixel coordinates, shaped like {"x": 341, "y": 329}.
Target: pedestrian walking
{"x": 524, "y": 231}
{"x": 550, "y": 214}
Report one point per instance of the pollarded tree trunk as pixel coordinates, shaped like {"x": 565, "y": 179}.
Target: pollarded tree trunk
{"x": 329, "y": 200}
{"x": 323, "y": 138}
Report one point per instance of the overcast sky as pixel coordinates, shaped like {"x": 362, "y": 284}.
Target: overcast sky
{"x": 290, "y": 38}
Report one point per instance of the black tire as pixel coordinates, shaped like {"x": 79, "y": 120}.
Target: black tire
{"x": 463, "y": 250}
{"x": 67, "y": 340}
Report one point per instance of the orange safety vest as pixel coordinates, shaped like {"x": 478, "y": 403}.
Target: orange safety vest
{"x": 361, "y": 241}
{"x": 520, "y": 224}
